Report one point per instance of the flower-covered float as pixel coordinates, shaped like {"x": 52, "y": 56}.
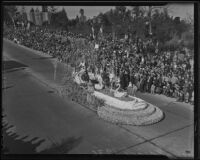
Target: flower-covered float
{"x": 121, "y": 108}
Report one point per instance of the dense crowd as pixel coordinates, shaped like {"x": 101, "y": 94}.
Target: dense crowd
{"x": 48, "y": 41}
{"x": 132, "y": 62}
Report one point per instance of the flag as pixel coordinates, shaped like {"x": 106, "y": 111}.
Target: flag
{"x": 96, "y": 46}
{"x": 101, "y": 29}
{"x": 93, "y": 32}
{"x": 28, "y": 25}
{"x": 126, "y": 36}
{"x": 23, "y": 24}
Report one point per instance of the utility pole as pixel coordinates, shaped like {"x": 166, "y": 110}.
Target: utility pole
{"x": 150, "y": 26}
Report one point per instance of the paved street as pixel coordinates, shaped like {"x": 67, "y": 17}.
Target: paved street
{"x": 37, "y": 114}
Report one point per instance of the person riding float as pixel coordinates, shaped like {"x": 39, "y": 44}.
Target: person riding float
{"x": 100, "y": 85}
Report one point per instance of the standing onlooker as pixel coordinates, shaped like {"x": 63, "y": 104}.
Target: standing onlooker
{"x": 153, "y": 88}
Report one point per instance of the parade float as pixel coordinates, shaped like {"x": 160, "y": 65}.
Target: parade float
{"x": 121, "y": 108}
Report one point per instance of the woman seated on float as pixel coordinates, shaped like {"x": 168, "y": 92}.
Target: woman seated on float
{"x": 93, "y": 77}
{"x": 100, "y": 85}
{"x": 82, "y": 65}
{"x": 106, "y": 80}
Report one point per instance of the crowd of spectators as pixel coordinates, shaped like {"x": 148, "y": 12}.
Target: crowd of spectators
{"x": 45, "y": 40}
{"x": 129, "y": 61}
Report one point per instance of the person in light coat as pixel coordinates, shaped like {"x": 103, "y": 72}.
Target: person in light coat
{"x": 153, "y": 89}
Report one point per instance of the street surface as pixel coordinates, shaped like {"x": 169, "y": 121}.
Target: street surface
{"x": 34, "y": 113}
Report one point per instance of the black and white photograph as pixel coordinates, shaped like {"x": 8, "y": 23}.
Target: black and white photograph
{"x": 112, "y": 79}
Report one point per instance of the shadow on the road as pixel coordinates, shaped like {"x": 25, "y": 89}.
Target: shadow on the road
{"x": 7, "y": 87}
{"x": 50, "y": 91}
{"x": 7, "y": 65}
{"x": 64, "y": 147}
{"x": 11, "y": 145}
{"x": 13, "y": 70}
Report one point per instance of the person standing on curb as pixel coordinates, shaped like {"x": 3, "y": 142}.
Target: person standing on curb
{"x": 90, "y": 91}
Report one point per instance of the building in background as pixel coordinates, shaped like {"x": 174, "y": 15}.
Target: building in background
{"x": 31, "y": 16}
{"x": 24, "y": 17}
{"x": 45, "y": 15}
{"x": 38, "y": 20}
{"x": 38, "y": 17}
{"x": 44, "y": 9}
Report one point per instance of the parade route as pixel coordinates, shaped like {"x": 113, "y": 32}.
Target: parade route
{"x": 33, "y": 108}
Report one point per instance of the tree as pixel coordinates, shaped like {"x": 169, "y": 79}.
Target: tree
{"x": 138, "y": 21}
{"x": 162, "y": 26}
{"x": 60, "y": 19}
{"x": 63, "y": 19}
{"x": 7, "y": 17}
{"x": 72, "y": 22}
{"x": 187, "y": 38}
{"x": 105, "y": 20}
{"x": 81, "y": 12}
{"x": 136, "y": 11}
{"x": 150, "y": 10}
{"x": 44, "y": 8}
{"x": 120, "y": 9}
{"x": 168, "y": 30}
{"x": 11, "y": 11}
{"x": 190, "y": 19}
{"x": 52, "y": 9}
{"x": 23, "y": 9}
{"x": 116, "y": 18}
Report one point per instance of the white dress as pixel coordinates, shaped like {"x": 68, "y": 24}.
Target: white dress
{"x": 91, "y": 75}
{"x": 99, "y": 86}
{"x": 111, "y": 76}
{"x": 78, "y": 77}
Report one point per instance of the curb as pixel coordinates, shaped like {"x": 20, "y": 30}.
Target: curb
{"x": 30, "y": 49}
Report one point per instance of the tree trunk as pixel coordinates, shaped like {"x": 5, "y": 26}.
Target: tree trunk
{"x": 13, "y": 23}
